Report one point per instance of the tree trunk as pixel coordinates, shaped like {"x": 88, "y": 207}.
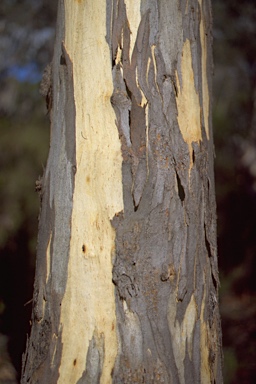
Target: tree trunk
{"x": 126, "y": 286}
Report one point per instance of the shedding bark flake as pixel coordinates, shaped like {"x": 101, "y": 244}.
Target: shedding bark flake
{"x": 182, "y": 333}
{"x": 188, "y": 104}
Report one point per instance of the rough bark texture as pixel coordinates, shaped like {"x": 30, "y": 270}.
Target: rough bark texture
{"x": 44, "y": 345}
{"x": 165, "y": 269}
{"x": 166, "y": 326}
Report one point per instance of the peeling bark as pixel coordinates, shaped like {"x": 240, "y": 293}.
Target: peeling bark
{"x": 126, "y": 287}
{"x": 166, "y": 264}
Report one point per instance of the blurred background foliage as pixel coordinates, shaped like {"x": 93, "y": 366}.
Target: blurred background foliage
{"x": 234, "y": 122}
{"x": 26, "y": 44}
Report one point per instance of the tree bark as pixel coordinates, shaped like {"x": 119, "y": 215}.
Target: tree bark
{"x": 126, "y": 286}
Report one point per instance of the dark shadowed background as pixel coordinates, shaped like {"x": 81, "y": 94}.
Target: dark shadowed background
{"x": 26, "y": 44}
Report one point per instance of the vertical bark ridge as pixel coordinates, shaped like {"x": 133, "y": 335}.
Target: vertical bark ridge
{"x": 44, "y": 347}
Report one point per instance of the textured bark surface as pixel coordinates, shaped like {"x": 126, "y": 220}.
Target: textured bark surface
{"x": 126, "y": 287}
{"x": 44, "y": 347}
{"x": 165, "y": 269}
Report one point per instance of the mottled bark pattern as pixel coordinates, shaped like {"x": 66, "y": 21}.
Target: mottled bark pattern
{"x": 165, "y": 269}
{"x": 154, "y": 318}
{"x": 43, "y": 351}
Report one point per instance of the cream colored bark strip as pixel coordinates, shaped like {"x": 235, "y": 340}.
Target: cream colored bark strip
{"x": 188, "y": 103}
{"x": 119, "y": 53}
{"x": 134, "y": 18}
{"x": 205, "y": 90}
{"x": 148, "y": 67}
{"x": 153, "y": 47}
{"x": 88, "y": 306}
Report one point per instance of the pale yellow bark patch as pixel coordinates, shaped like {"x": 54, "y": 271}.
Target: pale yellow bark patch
{"x": 134, "y": 18}
{"x": 188, "y": 104}
{"x": 148, "y": 67}
{"x": 89, "y": 302}
{"x": 205, "y": 89}
{"x": 153, "y": 47}
{"x": 182, "y": 334}
{"x": 118, "y": 55}
{"x": 188, "y": 324}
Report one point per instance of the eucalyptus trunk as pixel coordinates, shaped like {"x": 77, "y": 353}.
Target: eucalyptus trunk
{"x": 126, "y": 285}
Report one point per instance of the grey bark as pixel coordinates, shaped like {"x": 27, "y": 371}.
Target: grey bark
{"x": 55, "y": 215}
{"x": 166, "y": 235}
{"x": 168, "y": 227}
